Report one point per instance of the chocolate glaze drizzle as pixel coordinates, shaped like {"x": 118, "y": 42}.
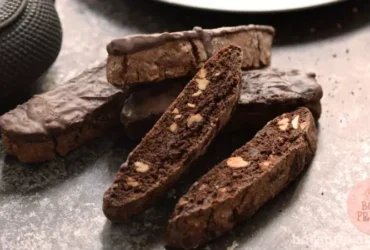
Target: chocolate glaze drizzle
{"x": 135, "y": 43}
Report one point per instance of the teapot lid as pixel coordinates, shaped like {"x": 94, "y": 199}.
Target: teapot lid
{"x": 10, "y": 10}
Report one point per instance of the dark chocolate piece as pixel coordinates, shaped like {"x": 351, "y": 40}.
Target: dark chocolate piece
{"x": 236, "y": 188}
{"x": 181, "y": 135}
{"x": 58, "y": 121}
{"x": 148, "y": 59}
{"x": 265, "y": 94}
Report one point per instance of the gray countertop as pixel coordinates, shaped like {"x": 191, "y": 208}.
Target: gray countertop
{"x": 57, "y": 205}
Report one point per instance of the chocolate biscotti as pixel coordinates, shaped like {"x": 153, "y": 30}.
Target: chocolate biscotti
{"x": 58, "y": 121}
{"x": 265, "y": 94}
{"x": 238, "y": 186}
{"x": 271, "y": 92}
{"x": 152, "y": 58}
{"x": 181, "y": 135}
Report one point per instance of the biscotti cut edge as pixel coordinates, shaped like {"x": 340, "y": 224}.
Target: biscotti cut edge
{"x": 235, "y": 189}
{"x": 166, "y": 152}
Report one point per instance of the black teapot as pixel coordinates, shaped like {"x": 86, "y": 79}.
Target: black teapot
{"x": 30, "y": 41}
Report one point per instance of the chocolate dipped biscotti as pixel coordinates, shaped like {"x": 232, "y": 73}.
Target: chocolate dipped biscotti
{"x": 58, "y": 121}
{"x": 180, "y": 136}
{"x": 235, "y": 189}
{"x": 265, "y": 94}
{"x": 152, "y": 58}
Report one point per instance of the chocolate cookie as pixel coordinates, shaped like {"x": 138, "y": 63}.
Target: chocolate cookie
{"x": 58, "y": 121}
{"x": 181, "y": 135}
{"x": 265, "y": 94}
{"x": 237, "y": 187}
{"x": 152, "y": 58}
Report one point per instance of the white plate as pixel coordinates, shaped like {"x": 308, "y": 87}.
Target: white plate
{"x": 251, "y": 5}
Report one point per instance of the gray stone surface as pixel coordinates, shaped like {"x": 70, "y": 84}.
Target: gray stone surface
{"x": 57, "y": 205}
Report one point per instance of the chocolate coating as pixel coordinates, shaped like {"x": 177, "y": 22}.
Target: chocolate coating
{"x": 48, "y": 115}
{"x": 279, "y": 86}
{"x": 135, "y": 43}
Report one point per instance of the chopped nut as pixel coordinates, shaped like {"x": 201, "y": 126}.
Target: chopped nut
{"x": 173, "y": 127}
{"x": 176, "y": 111}
{"x": 217, "y": 74}
{"x": 194, "y": 118}
{"x": 222, "y": 190}
{"x": 141, "y": 167}
{"x": 202, "y": 73}
{"x": 264, "y": 165}
{"x": 237, "y": 162}
{"x": 132, "y": 182}
{"x": 202, "y": 83}
{"x": 191, "y": 105}
{"x": 178, "y": 116}
{"x": 198, "y": 93}
{"x": 283, "y": 124}
{"x": 303, "y": 125}
{"x": 182, "y": 202}
{"x": 295, "y": 122}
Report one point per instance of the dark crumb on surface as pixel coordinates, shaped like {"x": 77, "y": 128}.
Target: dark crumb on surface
{"x": 347, "y": 51}
{"x": 334, "y": 55}
{"x": 352, "y": 93}
{"x": 322, "y": 193}
{"x": 340, "y": 121}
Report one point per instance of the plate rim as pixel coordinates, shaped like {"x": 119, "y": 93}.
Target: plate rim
{"x": 184, "y": 3}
